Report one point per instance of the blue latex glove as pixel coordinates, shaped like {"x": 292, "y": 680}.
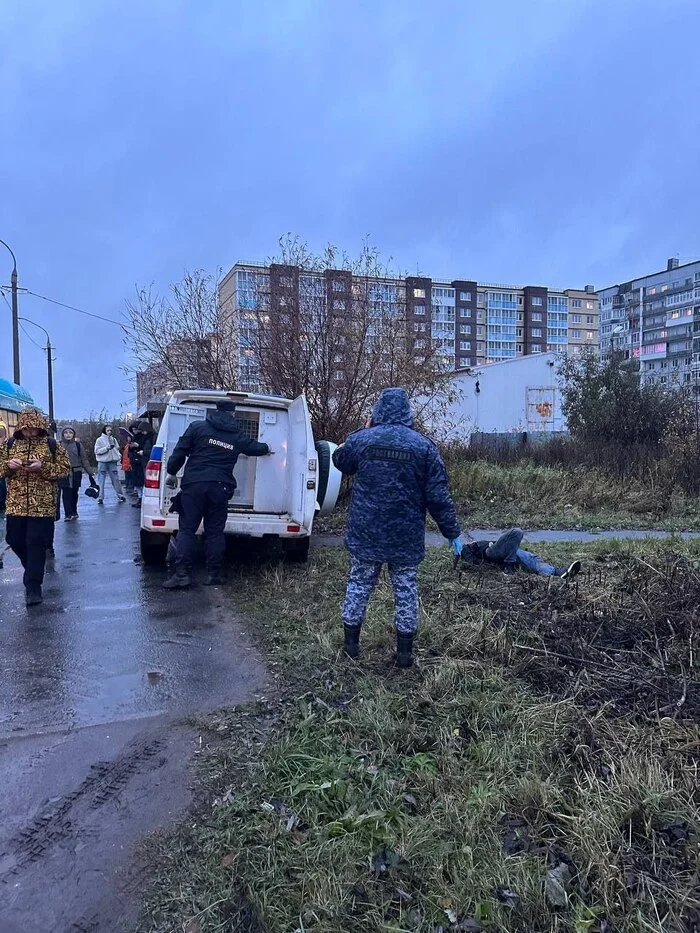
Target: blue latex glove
{"x": 456, "y": 545}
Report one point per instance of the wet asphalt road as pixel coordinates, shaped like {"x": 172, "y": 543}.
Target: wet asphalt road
{"x": 95, "y": 685}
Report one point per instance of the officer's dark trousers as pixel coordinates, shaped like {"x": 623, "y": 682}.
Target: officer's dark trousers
{"x": 28, "y": 538}
{"x": 199, "y": 502}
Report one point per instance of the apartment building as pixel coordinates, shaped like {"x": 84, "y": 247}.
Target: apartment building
{"x": 656, "y": 319}
{"x": 465, "y": 323}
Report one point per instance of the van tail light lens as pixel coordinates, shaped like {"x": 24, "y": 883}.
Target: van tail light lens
{"x": 293, "y": 529}
{"x": 153, "y": 474}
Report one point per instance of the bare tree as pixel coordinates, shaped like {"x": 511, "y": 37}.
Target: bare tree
{"x": 337, "y": 330}
{"x": 182, "y": 340}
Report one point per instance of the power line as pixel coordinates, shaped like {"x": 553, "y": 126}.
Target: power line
{"x": 29, "y": 336}
{"x": 53, "y": 301}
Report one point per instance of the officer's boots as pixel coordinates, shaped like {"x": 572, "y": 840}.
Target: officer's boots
{"x": 352, "y": 641}
{"x": 404, "y": 650}
{"x": 179, "y": 580}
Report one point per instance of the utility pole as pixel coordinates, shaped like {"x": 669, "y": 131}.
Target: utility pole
{"x": 49, "y": 363}
{"x": 15, "y": 317}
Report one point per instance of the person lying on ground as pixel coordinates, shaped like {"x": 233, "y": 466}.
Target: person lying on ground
{"x": 507, "y": 553}
{"x": 399, "y": 475}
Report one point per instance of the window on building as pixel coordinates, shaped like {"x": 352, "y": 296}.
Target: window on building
{"x": 465, "y": 328}
{"x": 576, "y": 334}
{"x": 536, "y": 302}
{"x": 589, "y": 319}
{"x": 465, "y": 345}
{"x": 536, "y": 348}
{"x": 576, "y": 318}
{"x": 464, "y": 361}
{"x": 286, "y": 281}
{"x": 337, "y": 358}
{"x": 589, "y": 306}
{"x": 339, "y": 285}
{"x": 536, "y": 331}
{"x": 419, "y": 293}
{"x": 419, "y": 344}
{"x": 419, "y": 326}
{"x": 480, "y": 331}
{"x": 536, "y": 315}
{"x": 521, "y": 317}
{"x": 519, "y": 348}
{"x": 575, "y": 302}
{"x": 465, "y": 312}
{"x": 339, "y": 375}
{"x": 419, "y": 360}
{"x": 465, "y": 296}
{"x": 480, "y": 315}
{"x": 519, "y": 332}
{"x": 338, "y": 304}
{"x": 419, "y": 309}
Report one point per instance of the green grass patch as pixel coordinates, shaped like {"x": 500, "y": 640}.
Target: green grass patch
{"x": 536, "y": 771}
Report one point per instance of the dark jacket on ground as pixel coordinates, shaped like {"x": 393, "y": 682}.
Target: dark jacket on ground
{"x": 211, "y": 449}
{"x": 140, "y": 451}
{"x": 399, "y": 475}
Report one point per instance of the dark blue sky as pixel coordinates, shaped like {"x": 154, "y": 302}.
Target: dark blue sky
{"x": 552, "y": 141}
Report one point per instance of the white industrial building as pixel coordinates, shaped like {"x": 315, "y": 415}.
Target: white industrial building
{"x": 516, "y": 395}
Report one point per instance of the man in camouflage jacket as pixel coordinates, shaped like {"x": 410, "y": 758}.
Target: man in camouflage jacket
{"x": 399, "y": 475}
{"x": 32, "y": 467}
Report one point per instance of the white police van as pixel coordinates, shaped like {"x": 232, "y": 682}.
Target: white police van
{"x": 276, "y": 497}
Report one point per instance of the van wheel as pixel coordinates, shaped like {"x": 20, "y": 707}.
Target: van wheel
{"x": 154, "y": 548}
{"x": 296, "y": 551}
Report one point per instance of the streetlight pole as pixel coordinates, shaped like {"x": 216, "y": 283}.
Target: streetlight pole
{"x": 15, "y": 317}
{"x": 49, "y": 363}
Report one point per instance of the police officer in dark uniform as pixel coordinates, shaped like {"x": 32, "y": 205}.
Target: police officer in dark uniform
{"x": 211, "y": 449}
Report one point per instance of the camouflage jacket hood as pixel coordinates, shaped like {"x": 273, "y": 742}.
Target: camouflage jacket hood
{"x": 33, "y": 495}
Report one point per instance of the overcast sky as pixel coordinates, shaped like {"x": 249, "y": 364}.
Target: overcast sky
{"x": 552, "y": 142}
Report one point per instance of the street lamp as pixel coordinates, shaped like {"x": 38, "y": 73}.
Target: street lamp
{"x": 49, "y": 362}
{"x": 15, "y": 316}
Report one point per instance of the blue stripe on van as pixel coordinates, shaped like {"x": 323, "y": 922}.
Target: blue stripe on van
{"x": 157, "y": 454}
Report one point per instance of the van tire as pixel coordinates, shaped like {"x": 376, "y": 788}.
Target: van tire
{"x": 296, "y": 550}
{"x": 154, "y": 548}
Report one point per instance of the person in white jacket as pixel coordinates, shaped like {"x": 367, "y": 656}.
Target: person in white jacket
{"x": 108, "y": 458}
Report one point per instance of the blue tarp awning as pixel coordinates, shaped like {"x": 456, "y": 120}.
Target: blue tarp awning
{"x": 13, "y": 397}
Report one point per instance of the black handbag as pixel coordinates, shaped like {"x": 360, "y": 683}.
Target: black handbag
{"x": 93, "y": 490}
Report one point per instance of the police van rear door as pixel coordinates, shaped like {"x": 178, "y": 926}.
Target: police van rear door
{"x": 177, "y": 419}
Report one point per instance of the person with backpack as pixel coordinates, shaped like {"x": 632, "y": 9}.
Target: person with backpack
{"x": 32, "y": 463}
{"x": 108, "y": 458}
{"x": 70, "y": 487}
{"x": 399, "y": 476}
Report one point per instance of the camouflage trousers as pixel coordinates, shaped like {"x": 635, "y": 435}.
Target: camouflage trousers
{"x": 364, "y": 576}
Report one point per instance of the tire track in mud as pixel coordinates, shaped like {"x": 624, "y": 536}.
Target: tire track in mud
{"x": 63, "y": 820}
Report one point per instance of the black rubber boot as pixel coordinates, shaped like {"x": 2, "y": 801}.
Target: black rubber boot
{"x": 179, "y": 581}
{"x": 404, "y": 650}
{"x": 33, "y": 594}
{"x": 352, "y": 641}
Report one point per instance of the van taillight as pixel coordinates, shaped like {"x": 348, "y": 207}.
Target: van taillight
{"x": 153, "y": 474}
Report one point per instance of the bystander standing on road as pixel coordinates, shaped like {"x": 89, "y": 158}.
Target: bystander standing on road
{"x": 108, "y": 458}
{"x": 139, "y": 454}
{"x": 211, "y": 449}
{"x": 32, "y": 463}
{"x": 399, "y": 474}
{"x": 125, "y": 438}
{"x": 70, "y": 486}
{"x": 3, "y": 483}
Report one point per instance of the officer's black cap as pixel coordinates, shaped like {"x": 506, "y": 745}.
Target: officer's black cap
{"x": 225, "y": 405}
